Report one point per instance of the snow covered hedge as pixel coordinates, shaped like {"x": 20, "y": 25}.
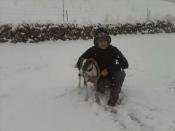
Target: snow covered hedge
{"x": 44, "y": 32}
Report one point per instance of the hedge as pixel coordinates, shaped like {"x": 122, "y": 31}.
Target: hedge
{"x": 45, "y": 32}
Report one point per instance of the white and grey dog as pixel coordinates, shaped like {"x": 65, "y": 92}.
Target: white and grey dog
{"x": 90, "y": 72}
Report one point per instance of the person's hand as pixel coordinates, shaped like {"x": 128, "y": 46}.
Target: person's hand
{"x": 104, "y": 72}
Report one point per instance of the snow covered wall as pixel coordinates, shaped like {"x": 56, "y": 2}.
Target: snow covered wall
{"x": 43, "y": 32}
{"x": 85, "y": 11}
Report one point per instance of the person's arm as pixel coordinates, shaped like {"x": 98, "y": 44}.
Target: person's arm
{"x": 87, "y": 54}
{"x": 123, "y": 63}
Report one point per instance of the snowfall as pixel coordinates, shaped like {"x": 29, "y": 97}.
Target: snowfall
{"x": 39, "y": 84}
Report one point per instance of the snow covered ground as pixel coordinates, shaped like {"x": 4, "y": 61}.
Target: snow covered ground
{"x": 85, "y": 11}
{"x": 38, "y": 87}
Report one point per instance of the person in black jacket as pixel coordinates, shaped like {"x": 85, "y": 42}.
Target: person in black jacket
{"x": 111, "y": 63}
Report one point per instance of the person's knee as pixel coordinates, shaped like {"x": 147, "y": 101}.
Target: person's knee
{"x": 118, "y": 80}
{"x": 119, "y": 75}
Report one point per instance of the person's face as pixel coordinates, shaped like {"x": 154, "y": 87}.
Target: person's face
{"x": 103, "y": 43}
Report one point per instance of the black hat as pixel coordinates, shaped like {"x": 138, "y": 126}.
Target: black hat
{"x": 101, "y": 33}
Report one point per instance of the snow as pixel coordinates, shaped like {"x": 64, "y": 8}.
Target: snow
{"x": 39, "y": 84}
{"x": 85, "y": 11}
{"x": 38, "y": 87}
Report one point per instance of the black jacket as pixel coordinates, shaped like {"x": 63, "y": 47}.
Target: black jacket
{"x": 110, "y": 58}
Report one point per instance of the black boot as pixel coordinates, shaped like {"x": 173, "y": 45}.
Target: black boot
{"x": 114, "y": 93}
{"x": 112, "y": 102}
{"x": 117, "y": 82}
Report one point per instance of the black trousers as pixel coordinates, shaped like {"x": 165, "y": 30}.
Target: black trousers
{"x": 114, "y": 82}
